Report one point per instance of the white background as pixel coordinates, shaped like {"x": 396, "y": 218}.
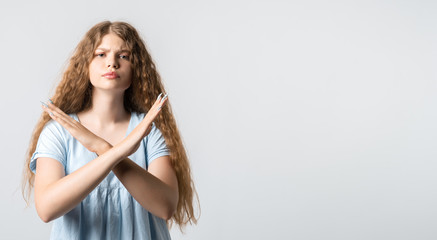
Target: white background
{"x": 302, "y": 119}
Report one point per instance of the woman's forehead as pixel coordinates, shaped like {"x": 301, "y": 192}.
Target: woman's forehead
{"x": 112, "y": 42}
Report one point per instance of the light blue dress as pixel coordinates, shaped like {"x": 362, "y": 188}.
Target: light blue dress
{"x": 109, "y": 211}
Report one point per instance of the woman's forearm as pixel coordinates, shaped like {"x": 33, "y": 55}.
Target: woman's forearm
{"x": 150, "y": 192}
{"x": 58, "y": 198}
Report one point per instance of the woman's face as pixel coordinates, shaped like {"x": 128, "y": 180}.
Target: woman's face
{"x": 110, "y": 68}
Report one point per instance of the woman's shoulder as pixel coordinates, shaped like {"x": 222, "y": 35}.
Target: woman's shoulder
{"x": 55, "y": 127}
{"x": 137, "y": 116}
{"x": 53, "y": 131}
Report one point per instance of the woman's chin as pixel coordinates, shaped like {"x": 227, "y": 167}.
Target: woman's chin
{"x": 110, "y": 88}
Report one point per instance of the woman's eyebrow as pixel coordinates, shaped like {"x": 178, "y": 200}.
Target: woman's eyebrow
{"x": 106, "y": 50}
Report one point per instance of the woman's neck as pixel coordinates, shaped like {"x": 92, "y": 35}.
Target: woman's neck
{"x": 106, "y": 109}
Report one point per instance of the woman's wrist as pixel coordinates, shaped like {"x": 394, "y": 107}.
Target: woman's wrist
{"x": 103, "y": 147}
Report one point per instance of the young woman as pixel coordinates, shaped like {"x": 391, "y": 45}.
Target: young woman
{"x": 106, "y": 158}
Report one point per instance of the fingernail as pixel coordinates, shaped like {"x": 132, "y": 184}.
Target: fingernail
{"x": 159, "y": 108}
{"x": 51, "y": 114}
{"x": 45, "y": 105}
{"x": 50, "y": 100}
{"x": 159, "y": 96}
{"x": 165, "y": 96}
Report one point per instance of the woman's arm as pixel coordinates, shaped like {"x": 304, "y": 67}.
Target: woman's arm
{"x": 155, "y": 189}
{"x": 56, "y": 194}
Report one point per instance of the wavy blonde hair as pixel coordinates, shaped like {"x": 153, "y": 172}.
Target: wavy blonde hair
{"x": 74, "y": 93}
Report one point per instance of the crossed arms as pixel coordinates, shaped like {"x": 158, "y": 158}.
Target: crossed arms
{"x": 155, "y": 189}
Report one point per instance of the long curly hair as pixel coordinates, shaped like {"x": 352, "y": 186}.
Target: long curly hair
{"x": 74, "y": 93}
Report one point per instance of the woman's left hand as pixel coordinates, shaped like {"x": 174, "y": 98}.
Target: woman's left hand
{"x": 131, "y": 143}
{"x": 88, "y": 139}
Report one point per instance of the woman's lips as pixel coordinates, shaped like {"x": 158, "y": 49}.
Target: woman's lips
{"x": 111, "y": 75}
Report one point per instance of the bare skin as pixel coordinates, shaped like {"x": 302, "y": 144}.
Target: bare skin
{"x": 156, "y": 188}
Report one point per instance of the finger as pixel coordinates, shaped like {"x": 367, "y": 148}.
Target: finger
{"x": 46, "y": 109}
{"x": 61, "y": 120}
{"x": 158, "y": 100}
{"x": 156, "y": 108}
{"x": 163, "y": 101}
{"x": 164, "y": 98}
{"x": 159, "y": 97}
{"x": 59, "y": 116}
{"x": 54, "y": 108}
{"x": 55, "y": 116}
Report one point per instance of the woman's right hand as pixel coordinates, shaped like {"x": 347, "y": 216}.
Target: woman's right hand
{"x": 131, "y": 143}
{"x": 88, "y": 139}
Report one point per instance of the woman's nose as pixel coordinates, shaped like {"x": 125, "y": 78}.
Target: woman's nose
{"x": 112, "y": 63}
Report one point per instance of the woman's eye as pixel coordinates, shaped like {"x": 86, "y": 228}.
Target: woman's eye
{"x": 124, "y": 56}
{"x": 100, "y": 54}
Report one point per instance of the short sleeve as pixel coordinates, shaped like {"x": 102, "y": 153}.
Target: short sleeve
{"x": 51, "y": 143}
{"x": 155, "y": 145}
